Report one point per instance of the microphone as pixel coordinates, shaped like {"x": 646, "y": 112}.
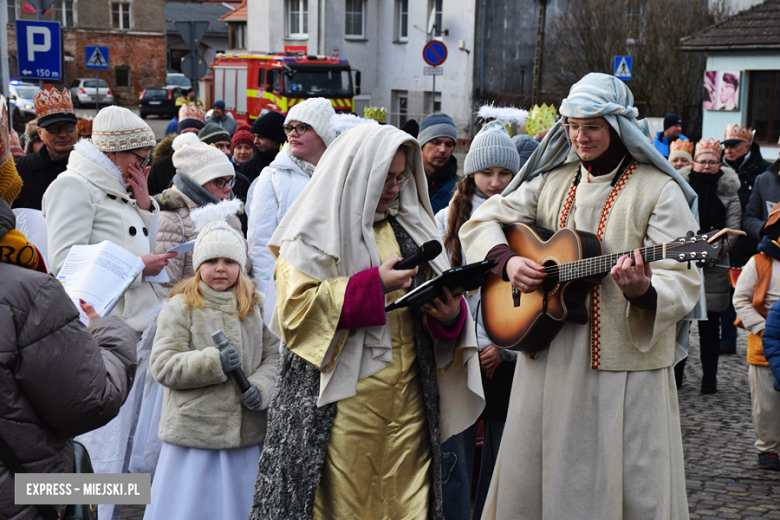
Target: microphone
{"x": 221, "y": 342}
{"x": 428, "y": 251}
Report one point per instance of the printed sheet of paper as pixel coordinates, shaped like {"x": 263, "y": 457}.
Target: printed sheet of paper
{"x": 99, "y": 274}
{"x": 179, "y": 250}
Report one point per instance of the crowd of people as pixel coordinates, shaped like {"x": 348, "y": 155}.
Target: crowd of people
{"x": 345, "y": 409}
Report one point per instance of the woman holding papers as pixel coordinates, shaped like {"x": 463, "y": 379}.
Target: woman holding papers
{"x": 103, "y": 196}
{"x": 351, "y": 375}
{"x": 204, "y": 175}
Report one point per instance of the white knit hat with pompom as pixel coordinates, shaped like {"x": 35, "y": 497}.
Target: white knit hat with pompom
{"x": 216, "y": 238}
{"x": 200, "y": 161}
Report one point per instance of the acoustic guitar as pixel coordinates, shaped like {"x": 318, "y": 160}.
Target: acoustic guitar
{"x": 575, "y": 263}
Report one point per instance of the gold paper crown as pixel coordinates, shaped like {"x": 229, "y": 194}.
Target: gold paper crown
{"x": 378, "y": 114}
{"x": 191, "y": 111}
{"x": 540, "y": 118}
{"x": 681, "y": 145}
{"x": 711, "y": 145}
{"x": 52, "y": 102}
{"x": 84, "y": 126}
{"x": 742, "y": 133}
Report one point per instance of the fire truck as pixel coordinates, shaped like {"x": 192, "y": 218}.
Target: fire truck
{"x": 251, "y": 82}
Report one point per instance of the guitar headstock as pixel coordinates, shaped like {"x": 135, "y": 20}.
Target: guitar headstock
{"x": 702, "y": 247}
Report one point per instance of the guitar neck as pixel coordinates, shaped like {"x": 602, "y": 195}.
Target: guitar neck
{"x": 601, "y": 265}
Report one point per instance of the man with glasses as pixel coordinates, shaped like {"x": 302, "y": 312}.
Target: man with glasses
{"x": 744, "y": 157}
{"x": 58, "y": 131}
{"x": 593, "y": 415}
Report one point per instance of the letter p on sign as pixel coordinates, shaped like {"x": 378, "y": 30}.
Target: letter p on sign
{"x": 32, "y": 47}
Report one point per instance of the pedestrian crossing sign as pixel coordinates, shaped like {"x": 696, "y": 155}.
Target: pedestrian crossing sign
{"x": 97, "y": 57}
{"x": 622, "y": 68}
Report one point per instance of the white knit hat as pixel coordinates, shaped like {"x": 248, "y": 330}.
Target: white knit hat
{"x": 199, "y": 160}
{"x": 315, "y": 112}
{"x": 216, "y": 238}
{"x": 116, "y": 129}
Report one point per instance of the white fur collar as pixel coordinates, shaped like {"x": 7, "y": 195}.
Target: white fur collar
{"x": 85, "y": 148}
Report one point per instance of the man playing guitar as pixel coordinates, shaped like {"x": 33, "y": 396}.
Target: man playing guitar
{"x": 593, "y": 427}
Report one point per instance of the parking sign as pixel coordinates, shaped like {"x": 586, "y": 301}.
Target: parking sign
{"x": 39, "y": 50}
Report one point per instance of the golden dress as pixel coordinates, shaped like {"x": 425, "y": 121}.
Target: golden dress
{"x": 378, "y": 460}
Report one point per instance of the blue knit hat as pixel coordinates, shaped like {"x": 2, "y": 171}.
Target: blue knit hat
{"x": 526, "y": 145}
{"x": 437, "y": 125}
{"x": 219, "y": 104}
{"x": 492, "y": 147}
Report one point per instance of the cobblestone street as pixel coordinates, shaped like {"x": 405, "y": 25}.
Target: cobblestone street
{"x": 721, "y": 464}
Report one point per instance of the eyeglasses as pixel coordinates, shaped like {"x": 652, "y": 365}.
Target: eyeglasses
{"x": 591, "y": 132}
{"x": 401, "y": 181}
{"x": 56, "y": 129}
{"x": 220, "y": 182}
{"x": 144, "y": 161}
{"x": 300, "y": 128}
{"x": 711, "y": 164}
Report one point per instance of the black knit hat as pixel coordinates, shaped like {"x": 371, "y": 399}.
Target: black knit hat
{"x": 671, "y": 120}
{"x": 269, "y": 125}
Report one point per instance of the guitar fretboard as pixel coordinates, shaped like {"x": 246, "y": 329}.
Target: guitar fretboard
{"x": 601, "y": 265}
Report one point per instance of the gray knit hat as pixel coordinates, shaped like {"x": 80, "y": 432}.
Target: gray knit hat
{"x": 437, "y": 125}
{"x": 213, "y": 133}
{"x": 492, "y": 147}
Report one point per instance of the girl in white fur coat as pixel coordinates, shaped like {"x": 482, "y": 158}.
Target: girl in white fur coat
{"x": 212, "y": 432}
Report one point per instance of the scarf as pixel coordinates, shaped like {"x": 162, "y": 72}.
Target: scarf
{"x": 15, "y": 249}
{"x": 599, "y": 95}
{"x": 712, "y": 212}
{"x": 307, "y": 167}
{"x": 196, "y": 193}
{"x": 610, "y": 159}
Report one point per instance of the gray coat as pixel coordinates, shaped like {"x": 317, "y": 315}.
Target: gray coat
{"x": 57, "y": 379}
{"x": 717, "y": 284}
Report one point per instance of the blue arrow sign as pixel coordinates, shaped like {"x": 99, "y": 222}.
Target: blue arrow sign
{"x": 39, "y": 47}
{"x": 622, "y": 68}
{"x": 97, "y": 57}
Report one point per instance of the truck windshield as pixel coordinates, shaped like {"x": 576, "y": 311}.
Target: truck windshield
{"x": 318, "y": 82}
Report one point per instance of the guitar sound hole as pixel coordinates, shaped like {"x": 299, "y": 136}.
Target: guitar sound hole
{"x": 551, "y": 282}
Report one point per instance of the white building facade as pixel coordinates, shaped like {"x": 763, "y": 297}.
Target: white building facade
{"x": 384, "y": 40}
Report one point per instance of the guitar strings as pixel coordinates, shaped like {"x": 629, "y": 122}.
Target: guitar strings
{"x": 600, "y": 262}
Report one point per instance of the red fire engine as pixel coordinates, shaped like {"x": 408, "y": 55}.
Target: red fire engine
{"x": 249, "y": 83}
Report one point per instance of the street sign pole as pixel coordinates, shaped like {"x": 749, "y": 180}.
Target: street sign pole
{"x": 434, "y": 54}
{"x": 433, "y": 97}
{"x": 97, "y": 91}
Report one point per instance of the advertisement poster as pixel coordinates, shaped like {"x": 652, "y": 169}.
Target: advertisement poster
{"x": 721, "y": 90}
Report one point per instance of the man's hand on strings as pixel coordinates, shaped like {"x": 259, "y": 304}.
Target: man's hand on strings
{"x": 525, "y": 274}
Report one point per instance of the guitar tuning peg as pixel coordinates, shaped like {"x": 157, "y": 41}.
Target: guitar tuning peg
{"x": 690, "y": 234}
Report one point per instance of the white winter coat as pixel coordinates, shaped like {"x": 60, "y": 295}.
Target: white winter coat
{"x": 442, "y": 218}
{"x": 277, "y": 187}
{"x": 87, "y": 204}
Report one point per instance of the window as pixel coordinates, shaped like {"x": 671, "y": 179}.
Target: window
{"x": 237, "y": 35}
{"x": 122, "y": 77}
{"x": 401, "y": 107}
{"x": 64, "y": 13}
{"x": 354, "y": 18}
{"x": 261, "y": 78}
{"x": 297, "y": 18}
{"x": 312, "y": 81}
{"x": 437, "y": 5}
{"x": 11, "y": 11}
{"x": 764, "y": 106}
{"x": 120, "y": 16}
{"x": 402, "y": 19}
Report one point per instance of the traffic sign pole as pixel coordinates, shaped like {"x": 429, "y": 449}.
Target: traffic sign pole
{"x": 434, "y": 54}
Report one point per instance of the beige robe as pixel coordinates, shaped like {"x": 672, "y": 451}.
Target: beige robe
{"x": 583, "y": 443}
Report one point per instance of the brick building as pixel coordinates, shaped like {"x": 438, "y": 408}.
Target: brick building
{"x": 133, "y": 30}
